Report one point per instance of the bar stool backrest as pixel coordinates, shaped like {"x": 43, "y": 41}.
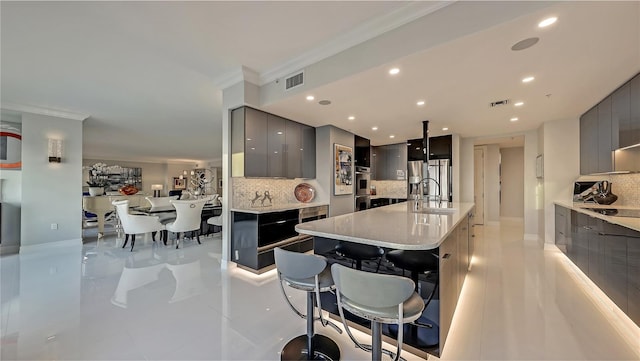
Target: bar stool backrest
{"x": 296, "y": 265}
{"x": 371, "y": 289}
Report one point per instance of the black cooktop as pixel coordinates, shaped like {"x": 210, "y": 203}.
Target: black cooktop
{"x": 633, "y": 213}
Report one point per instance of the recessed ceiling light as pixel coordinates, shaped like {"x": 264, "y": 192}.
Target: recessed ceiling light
{"x": 546, "y": 22}
{"x": 514, "y": 119}
{"x": 445, "y": 129}
{"x": 249, "y": 139}
{"x": 420, "y": 103}
{"x": 310, "y": 97}
{"x": 394, "y": 71}
{"x": 519, "y": 104}
{"x": 374, "y": 128}
{"x": 528, "y": 79}
{"x": 351, "y": 117}
{"x": 280, "y": 133}
{"x": 392, "y": 136}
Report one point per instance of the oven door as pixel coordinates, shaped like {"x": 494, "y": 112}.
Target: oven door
{"x": 363, "y": 181}
{"x": 362, "y": 203}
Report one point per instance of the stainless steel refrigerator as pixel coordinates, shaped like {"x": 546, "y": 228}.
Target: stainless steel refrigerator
{"x": 439, "y": 170}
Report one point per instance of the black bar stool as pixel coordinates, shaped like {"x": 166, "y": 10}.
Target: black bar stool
{"x": 424, "y": 332}
{"x": 359, "y": 252}
{"x": 307, "y": 273}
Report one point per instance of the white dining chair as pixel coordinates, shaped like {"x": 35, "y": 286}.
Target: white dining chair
{"x": 188, "y": 218}
{"x": 133, "y": 224}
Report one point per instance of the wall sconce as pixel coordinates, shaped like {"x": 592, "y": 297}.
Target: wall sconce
{"x": 156, "y": 188}
{"x": 55, "y": 150}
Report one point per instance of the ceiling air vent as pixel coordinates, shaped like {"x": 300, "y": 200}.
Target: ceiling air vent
{"x": 498, "y": 103}
{"x": 294, "y": 80}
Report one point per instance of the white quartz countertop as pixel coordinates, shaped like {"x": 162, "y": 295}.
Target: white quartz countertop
{"x": 278, "y": 207}
{"x": 629, "y": 222}
{"x": 394, "y": 226}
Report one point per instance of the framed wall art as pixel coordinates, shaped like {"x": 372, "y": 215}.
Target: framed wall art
{"x": 179, "y": 183}
{"x": 343, "y": 177}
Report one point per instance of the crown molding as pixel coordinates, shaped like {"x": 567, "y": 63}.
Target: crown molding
{"x": 22, "y": 108}
{"x": 360, "y": 34}
{"x": 235, "y": 76}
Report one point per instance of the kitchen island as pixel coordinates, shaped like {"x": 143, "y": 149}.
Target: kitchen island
{"x": 443, "y": 230}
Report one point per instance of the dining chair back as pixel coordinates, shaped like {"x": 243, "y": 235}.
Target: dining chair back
{"x": 133, "y": 224}
{"x": 188, "y": 217}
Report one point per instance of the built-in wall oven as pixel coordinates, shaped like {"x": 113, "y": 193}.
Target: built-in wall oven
{"x": 363, "y": 184}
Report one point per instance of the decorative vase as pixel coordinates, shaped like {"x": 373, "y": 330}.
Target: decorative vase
{"x": 96, "y": 191}
{"x": 605, "y": 196}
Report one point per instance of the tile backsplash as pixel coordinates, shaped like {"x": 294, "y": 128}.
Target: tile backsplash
{"x": 391, "y": 188}
{"x": 625, "y": 186}
{"x": 281, "y": 190}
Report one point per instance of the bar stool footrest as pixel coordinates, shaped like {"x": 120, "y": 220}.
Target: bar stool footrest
{"x": 324, "y": 349}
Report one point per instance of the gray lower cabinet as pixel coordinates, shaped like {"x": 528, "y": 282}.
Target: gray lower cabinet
{"x": 254, "y": 237}
{"x": 608, "y": 254}
{"x": 266, "y": 145}
{"x": 454, "y": 255}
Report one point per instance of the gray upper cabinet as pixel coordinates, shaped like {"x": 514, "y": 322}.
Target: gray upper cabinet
{"x": 266, "y": 145}
{"x": 634, "y": 127}
{"x": 621, "y": 116}
{"x": 255, "y": 150}
{"x": 589, "y": 141}
{"x": 611, "y": 124}
{"x": 276, "y": 141}
{"x": 605, "y": 163}
{"x": 387, "y": 160}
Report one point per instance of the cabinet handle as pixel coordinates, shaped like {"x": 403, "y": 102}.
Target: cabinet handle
{"x": 587, "y": 228}
{"x": 446, "y": 255}
{"x": 280, "y": 222}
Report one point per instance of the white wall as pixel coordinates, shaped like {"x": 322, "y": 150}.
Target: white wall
{"x": 466, "y": 171}
{"x": 540, "y": 187}
{"x": 492, "y": 184}
{"x": 455, "y": 169}
{"x": 326, "y": 137}
{"x": 533, "y": 197}
{"x": 561, "y": 167}
{"x": 51, "y": 191}
{"x": 512, "y": 182}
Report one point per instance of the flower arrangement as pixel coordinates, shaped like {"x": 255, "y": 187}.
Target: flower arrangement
{"x": 98, "y": 174}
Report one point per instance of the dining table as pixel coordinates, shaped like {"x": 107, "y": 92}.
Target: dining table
{"x": 168, "y": 214}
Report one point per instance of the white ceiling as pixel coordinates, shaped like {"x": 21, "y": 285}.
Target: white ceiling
{"x": 146, "y": 72}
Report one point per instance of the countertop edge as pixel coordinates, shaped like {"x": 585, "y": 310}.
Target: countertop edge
{"x": 463, "y": 212}
{"x": 272, "y": 209}
{"x": 631, "y": 223}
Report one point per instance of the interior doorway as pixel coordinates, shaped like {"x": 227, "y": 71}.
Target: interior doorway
{"x": 478, "y": 184}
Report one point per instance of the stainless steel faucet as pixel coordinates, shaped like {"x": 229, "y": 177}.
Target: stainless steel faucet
{"x": 439, "y": 195}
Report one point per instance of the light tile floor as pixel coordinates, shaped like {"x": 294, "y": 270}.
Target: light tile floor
{"x": 101, "y": 302}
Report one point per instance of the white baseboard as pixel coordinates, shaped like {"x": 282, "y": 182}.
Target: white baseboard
{"x": 51, "y": 245}
{"x": 530, "y": 237}
{"x": 551, "y": 247}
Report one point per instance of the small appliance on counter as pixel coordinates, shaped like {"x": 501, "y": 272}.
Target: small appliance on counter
{"x": 594, "y": 192}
